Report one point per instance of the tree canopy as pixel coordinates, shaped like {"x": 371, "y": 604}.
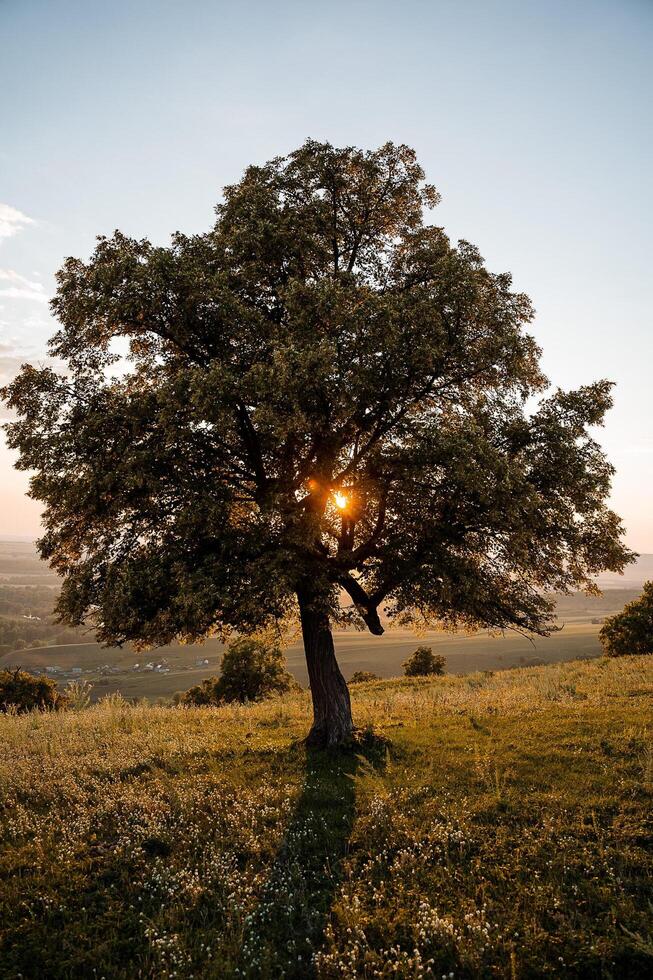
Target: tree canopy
{"x": 323, "y": 396}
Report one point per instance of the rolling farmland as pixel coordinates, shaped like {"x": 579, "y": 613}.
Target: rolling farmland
{"x": 111, "y": 670}
{"x": 356, "y": 651}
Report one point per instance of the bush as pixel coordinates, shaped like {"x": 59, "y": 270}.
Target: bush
{"x": 631, "y": 630}
{"x": 20, "y": 692}
{"x": 250, "y": 670}
{"x": 424, "y": 663}
{"x": 362, "y": 676}
{"x": 201, "y": 695}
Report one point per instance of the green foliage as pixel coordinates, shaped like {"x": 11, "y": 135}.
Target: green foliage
{"x": 20, "y": 692}
{"x": 320, "y": 337}
{"x": 253, "y": 669}
{"x": 250, "y": 670}
{"x": 363, "y": 676}
{"x": 630, "y": 631}
{"x": 424, "y": 662}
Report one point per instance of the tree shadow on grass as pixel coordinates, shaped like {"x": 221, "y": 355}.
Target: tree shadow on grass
{"x": 287, "y": 927}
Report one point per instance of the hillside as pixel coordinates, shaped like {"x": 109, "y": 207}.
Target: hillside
{"x": 633, "y": 576}
{"x": 28, "y": 590}
{"x": 494, "y": 825}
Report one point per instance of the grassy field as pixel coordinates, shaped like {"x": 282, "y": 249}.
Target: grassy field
{"x": 491, "y": 826}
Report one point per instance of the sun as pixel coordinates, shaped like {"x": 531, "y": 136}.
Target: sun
{"x": 341, "y": 500}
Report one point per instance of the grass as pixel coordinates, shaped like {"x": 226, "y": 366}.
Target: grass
{"x": 492, "y": 826}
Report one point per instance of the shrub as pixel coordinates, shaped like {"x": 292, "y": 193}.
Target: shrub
{"x": 362, "y": 676}
{"x": 250, "y": 670}
{"x": 20, "y": 692}
{"x": 423, "y": 663}
{"x": 206, "y": 692}
{"x": 631, "y": 630}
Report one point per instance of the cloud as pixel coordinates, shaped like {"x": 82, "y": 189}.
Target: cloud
{"x": 12, "y": 221}
{"x": 21, "y": 288}
{"x": 15, "y": 292}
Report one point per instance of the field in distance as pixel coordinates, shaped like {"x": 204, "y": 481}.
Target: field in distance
{"x": 175, "y": 668}
{"x": 160, "y": 673}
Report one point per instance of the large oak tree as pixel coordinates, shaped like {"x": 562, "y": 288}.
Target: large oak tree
{"x": 325, "y": 397}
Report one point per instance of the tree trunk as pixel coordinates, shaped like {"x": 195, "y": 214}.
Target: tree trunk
{"x": 332, "y": 721}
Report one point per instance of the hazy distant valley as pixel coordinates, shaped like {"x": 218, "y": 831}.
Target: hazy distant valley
{"x": 29, "y": 638}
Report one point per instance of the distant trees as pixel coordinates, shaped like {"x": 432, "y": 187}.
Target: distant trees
{"x": 631, "y": 630}
{"x": 423, "y": 662}
{"x": 20, "y": 692}
{"x": 250, "y": 670}
{"x": 325, "y": 395}
{"x": 17, "y": 633}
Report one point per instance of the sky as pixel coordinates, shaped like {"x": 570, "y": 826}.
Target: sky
{"x": 533, "y": 119}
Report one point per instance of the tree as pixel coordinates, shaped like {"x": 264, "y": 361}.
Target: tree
{"x": 250, "y": 670}
{"x": 423, "y": 663}
{"x": 324, "y": 397}
{"x": 631, "y": 630}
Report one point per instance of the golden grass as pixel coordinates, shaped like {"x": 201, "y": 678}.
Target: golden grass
{"x": 505, "y": 831}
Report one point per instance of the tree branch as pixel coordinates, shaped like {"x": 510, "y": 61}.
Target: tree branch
{"x": 363, "y": 602}
{"x": 252, "y": 445}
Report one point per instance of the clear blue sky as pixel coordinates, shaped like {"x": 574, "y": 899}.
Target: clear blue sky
{"x": 532, "y": 118}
